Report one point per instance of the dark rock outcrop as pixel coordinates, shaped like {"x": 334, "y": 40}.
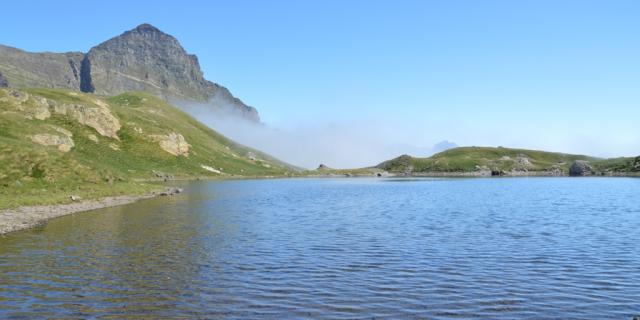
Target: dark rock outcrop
{"x": 162, "y": 175}
{"x": 3, "y": 82}
{"x": 86, "y": 84}
{"x": 580, "y": 168}
{"x": 141, "y": 59}
{"x": 170, "y": 191}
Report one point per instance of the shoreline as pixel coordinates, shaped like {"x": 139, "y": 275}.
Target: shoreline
{"x": 27, "y": 217}
{"x": 474, "y": 174}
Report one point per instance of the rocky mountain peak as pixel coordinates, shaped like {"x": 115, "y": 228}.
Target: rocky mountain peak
{"x": 144, "y": 33}
{"x": 141, "y": 59}
{"x": 147, "y": 28}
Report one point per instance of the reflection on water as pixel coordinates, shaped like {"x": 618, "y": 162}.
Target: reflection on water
{"x": 345, "y": 248}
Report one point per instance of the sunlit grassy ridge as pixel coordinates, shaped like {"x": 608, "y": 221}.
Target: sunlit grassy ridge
{"x": 470, "y": 159}
{"x": 98, "y": 165}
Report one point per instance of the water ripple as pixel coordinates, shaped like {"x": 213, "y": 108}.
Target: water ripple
{"x": 522, "y": 248}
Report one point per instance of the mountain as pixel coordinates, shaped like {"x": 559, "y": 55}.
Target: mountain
{"x": 482, "y": 161}
{"x": 22, "y": 69}
{"x": 142, "y": 59}
{"x": 57, "y": 142}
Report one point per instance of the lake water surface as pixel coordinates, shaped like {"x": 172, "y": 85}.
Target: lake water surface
{"x": 512, "y": 248}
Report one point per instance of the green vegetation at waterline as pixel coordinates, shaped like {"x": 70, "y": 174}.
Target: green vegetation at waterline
{"x": 56, "y": 142}
{"x": 324, "y": 171}
{"x": 507, "y": 161}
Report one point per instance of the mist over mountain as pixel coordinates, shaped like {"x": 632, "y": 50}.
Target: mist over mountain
{"x": 142, "y": 59}
{"x": 337, "y": 144}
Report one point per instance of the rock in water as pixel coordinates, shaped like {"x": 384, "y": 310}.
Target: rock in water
{"x": 170, "y": 191}
{"x": 580, "y": 168}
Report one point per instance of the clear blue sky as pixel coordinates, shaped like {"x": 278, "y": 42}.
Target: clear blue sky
{"x": 559, "y": 75}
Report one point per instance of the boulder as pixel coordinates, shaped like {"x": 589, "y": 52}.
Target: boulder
{"x": 64, "y": 143}
{"x": 40, "y": 109}
{"x": 18, "y": 96}
{"x": 580, "y": 168}
{"x": 173, "y": 143}
{"x": 171, "y": 191}
{"x": 32, "y": 106}
{"x": 162, "y": 175}
{"x": 98, "y": 117}
{"x": 523, "y": 161}
{"x": 556, "y": 171}
{"x": 63, "y": 131}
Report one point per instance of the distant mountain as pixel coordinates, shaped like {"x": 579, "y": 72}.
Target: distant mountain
{"x": 417, "y": 151}
{"x": 443, "y": 146}
{"x": 141, "y": 59}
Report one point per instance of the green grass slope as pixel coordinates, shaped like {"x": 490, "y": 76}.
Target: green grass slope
{"x": 102, "y": 162}
{"x": 500, "y": 160}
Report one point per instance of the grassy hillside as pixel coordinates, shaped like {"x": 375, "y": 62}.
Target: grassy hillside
{"x": 54, "y": 143}
{"x": 324, "y": 171}
{"x": 501, "y": 161}
{"x": 618, "y": 165}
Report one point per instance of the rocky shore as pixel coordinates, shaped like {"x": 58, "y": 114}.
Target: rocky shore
{"x": 31, "y": 216}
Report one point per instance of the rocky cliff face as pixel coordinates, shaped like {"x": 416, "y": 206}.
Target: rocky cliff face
{"x": 40, "y": 70}
{"x": 141, "y": 59}
{"x": 146, "y": 59}
{"x": 580, "y": 168}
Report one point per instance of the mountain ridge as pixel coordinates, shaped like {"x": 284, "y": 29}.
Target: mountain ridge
{"x": 501, "y": 161}
{"x": 494, "y": 161}
{"x": 141, "y": 59}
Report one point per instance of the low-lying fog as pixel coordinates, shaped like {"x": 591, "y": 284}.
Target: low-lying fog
{"x": 336, "y": 144}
